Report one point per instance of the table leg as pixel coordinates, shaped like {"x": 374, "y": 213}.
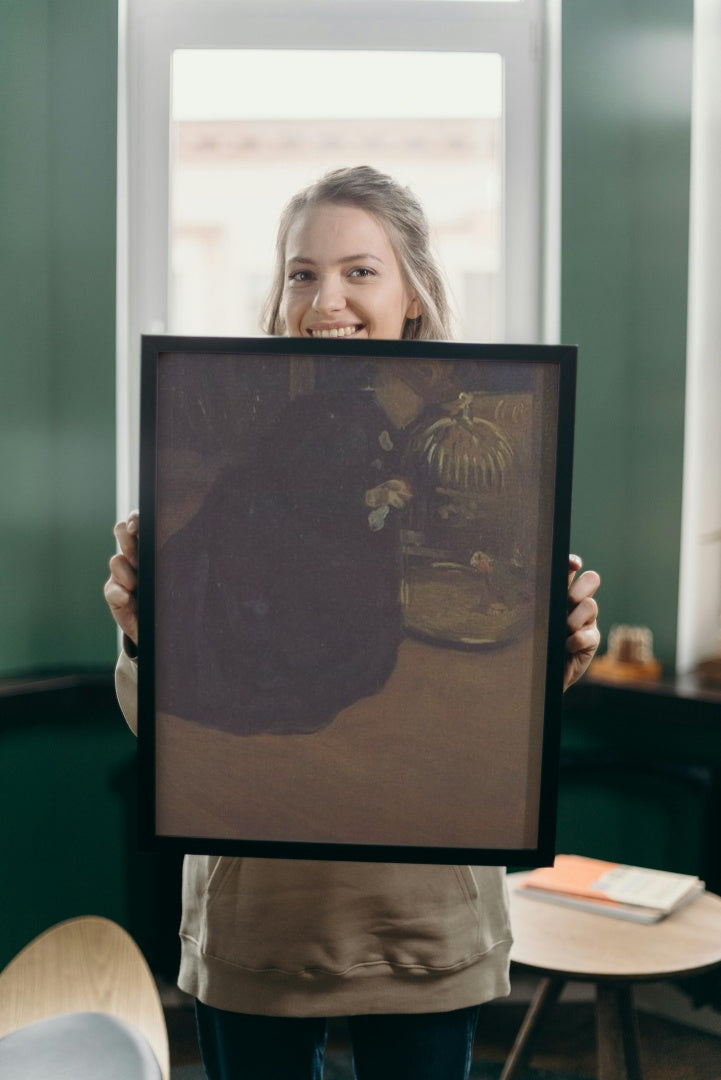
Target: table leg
{"x": 617, "y": 1033}
{"x": 545, "y": 997}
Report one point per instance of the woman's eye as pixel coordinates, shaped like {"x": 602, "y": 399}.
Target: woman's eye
{"x": 300, "y": 276}
{"x": 362, "y": 272}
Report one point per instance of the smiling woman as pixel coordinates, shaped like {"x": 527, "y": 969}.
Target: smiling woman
{"x": 353, "y": 259}
{"x": 337, "y": 293}
{"x": 306, "y": 585}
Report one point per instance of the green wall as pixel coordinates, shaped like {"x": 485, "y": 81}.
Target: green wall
{"x": 66, "y": 760}
{"x": 58, "y": 72}
{"x": 626, "y": 145}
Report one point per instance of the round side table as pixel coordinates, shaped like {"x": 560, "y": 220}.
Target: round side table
{"x": 563, "y": 944}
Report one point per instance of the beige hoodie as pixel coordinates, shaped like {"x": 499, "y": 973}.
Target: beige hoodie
{"x": 300, "y": 938}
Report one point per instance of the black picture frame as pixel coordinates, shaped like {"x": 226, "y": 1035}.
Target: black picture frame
{"x": 353, "y": 576}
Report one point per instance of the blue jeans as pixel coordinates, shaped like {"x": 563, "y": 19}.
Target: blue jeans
{"x": 416, "y": 1046}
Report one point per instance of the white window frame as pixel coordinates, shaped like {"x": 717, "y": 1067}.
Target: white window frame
{"x": 699, "y": 597}
{"x": 526, "y": 34}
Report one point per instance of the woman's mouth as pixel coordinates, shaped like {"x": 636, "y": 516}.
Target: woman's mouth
{"x": 335, "y": 331}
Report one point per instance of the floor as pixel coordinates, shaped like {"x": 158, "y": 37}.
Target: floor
{"x": 670, "y": 1051}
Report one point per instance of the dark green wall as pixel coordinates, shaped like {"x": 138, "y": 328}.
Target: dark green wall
{"x": 68, "y": 804}
{"x": 58, "y": 73}
{"x": 641, "y": 778}
{"x": 651, "y": 789}
{"x": 626, "y": 145}
{"x": 66, "y": 770}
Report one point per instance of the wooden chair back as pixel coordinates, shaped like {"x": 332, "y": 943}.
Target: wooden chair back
{"x": 87, "y": 964}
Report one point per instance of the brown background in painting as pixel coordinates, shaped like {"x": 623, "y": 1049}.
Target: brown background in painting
{"x": 444, "y": 756}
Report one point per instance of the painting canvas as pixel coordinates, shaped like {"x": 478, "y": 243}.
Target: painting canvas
{"x": 353, "y": 568}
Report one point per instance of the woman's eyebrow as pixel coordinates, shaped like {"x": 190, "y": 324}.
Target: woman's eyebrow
{"x": 361, "y": 257}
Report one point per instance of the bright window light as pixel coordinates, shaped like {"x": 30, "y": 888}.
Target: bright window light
{"x": 223, "y": 84}
{"x": 238, "y": 155}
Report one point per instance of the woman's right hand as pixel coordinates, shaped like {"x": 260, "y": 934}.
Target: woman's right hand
{"x": 122, "y": 585}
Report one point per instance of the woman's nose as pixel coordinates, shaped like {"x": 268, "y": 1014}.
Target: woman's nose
{"x": 329, "y": 296}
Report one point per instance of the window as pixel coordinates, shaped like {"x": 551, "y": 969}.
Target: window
{"x": 229, "y": 106}
{"x": 235, "y": 162}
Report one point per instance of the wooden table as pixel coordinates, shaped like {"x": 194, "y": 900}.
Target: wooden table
{"x": 563, "y": 944}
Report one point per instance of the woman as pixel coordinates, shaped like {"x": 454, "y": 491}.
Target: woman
{"x": 272, "y": 948}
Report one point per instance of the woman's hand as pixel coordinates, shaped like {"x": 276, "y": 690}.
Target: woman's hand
{"x": 582, "y": 634}
{"x": 122, "y": 585}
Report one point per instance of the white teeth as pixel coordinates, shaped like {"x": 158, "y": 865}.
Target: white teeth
{"x": 335, "y": 332}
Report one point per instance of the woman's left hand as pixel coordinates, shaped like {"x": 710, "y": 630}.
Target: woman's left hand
{"x": 582, "y": 634}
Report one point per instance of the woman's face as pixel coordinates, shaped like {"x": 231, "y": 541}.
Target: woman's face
{"x": 342, "y": 277}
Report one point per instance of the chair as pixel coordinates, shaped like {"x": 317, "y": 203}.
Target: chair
{"x": 80, "y": 1002}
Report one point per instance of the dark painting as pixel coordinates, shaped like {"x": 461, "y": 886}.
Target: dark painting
{"x": 356, "y": 599}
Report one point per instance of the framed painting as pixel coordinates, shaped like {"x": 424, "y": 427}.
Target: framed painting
{"x": 352, "y": 597}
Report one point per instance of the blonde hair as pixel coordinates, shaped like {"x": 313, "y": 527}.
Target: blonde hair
{"x": 403, "y": 217}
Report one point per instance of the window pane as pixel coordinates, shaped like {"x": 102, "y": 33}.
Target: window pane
{"x": 252, "y": 127}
